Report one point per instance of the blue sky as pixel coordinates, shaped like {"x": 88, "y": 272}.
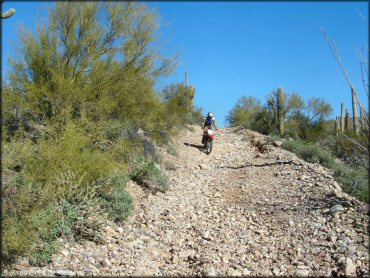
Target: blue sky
{"x": 232, "y": 49}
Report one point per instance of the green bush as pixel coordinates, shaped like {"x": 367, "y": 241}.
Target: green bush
{"x": 354, "y": 180}
{"x": 146, "y": 173}
{"x": 36, "y": 178}
{"x": 36, "y": 233}
{"x": 52, "y": 222}
{"x": 346, "y": 150}
{"x": 118, "y": 202}
{"x": 18, "y": 238}
{"x": 171, "y": 149}
{"x": 310, "y": 152}
{"x": 69, "y": 129}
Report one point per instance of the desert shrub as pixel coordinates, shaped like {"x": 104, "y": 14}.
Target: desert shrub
{"x": 245, "y": 112}
{"x": 35, "y": 233}
{"x": 309, "y": 152}
{"x": 147, "y": 173}
{"x": 150, "y": 151}
{"x": 119, "y": 204}
{"x": 171, "y": 149}
{"x": 36, "y": 178}
{"x": 353, "y": 180}
{"x": 117, "y": 201}
{"x": 18, "y": 238}
{"x": 197, "y": 116}
{"x": 69, "y": 129}
{"x": 122, "y": 150}
{"x": 52, "y": 222}
{"x": 346, "y": 150}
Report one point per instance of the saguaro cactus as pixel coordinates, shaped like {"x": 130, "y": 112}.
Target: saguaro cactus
{"x": 342, "y": 118}
{"x": 337, "y": 126}
{"x": 280, "y": 109}
{"x": 192, "y": 95}
{"x": 346, "y": 127}
{"x": 8, "y": 13}
{"x": 354, "y": 109}
{"x": 186, "y": 78}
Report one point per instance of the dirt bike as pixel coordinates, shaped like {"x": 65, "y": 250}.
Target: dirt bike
{"x": 208, "y": 136}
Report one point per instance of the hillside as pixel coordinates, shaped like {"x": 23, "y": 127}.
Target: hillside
{"x": 248, "y": 208}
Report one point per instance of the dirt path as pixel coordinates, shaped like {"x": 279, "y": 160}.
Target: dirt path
{"x": 218, "y": 219}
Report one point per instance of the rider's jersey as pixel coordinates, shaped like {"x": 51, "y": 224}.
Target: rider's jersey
{"x": 210, "y": 122}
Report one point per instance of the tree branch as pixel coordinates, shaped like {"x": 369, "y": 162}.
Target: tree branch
{"x": 355, "y": 142}
{"x": 336, "y": 54}
{"x": 361, "y": 15}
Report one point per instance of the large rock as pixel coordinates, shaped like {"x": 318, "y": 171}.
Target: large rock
{"x": 337, "y": 209}
{"x": 209, "y": 272}
{"x": 349, "y": 268}
{"x": 278, "y": 143}
{"x": 63, "y": 272}
{"x": 106, "y": 263}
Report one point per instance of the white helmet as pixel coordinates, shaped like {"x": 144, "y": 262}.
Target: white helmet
{"x": 210, "y": 115}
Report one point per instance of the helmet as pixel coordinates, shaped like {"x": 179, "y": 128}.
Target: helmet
{"x": 210, "y": 115}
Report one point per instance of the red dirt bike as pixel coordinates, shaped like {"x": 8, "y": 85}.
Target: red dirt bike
{"x": 208, "y": 136}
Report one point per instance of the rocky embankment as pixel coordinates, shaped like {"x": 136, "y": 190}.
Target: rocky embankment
{"x": 247, "y": 209}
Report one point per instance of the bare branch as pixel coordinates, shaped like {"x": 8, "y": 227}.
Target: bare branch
{"x": 363, "y": 66}
{"x": 341, "y": 76}
{"x": 361, "y": 15}
{"x": 364, "y": 82}
{"x": 366, "y": 62}
{"x": 336, "y": 54}
{"x": 355, "y": 142}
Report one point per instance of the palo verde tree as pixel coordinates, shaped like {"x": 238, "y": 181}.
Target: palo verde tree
{"x": 245, "y": 111}
{"x": 100, "y": 59}
{"x": 80, "y": 87}
{"x": 179, "y": 105}
{"x": 292, "y": 102}
{"x": 302, "y": 121}
{"x": 308, "y": 123}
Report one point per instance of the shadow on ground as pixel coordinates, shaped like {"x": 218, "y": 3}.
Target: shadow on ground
{"x": 199, "y": 147}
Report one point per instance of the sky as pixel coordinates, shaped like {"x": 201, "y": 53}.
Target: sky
{"x": 231, "y": 49}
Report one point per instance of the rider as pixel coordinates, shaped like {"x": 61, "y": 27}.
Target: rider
{"x": 209, "y": 123}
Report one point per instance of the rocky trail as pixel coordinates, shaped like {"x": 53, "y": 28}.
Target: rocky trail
{"x": 247, "y": 209}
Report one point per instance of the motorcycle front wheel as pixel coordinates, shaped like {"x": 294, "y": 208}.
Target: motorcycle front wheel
{"x": 209, "y": 146}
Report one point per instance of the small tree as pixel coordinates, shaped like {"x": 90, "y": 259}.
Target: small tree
{"x": 102, "y": 58}
{"x": 318, "y": 110}
{"x": 244, "y": 113}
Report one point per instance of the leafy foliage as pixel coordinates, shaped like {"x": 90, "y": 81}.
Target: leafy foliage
{"x": 147, "y": 173}
{"x": 310, "y": 152}
{"x": 78, "y": 106}
{"x": 179, "y": 102}
{"x": 314, "y": 142}
{"x": 354, "y": 180}
{"x": 118, "y": 201}
{"x": 245, "y": 112}
{"x": 302, "y": 121}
